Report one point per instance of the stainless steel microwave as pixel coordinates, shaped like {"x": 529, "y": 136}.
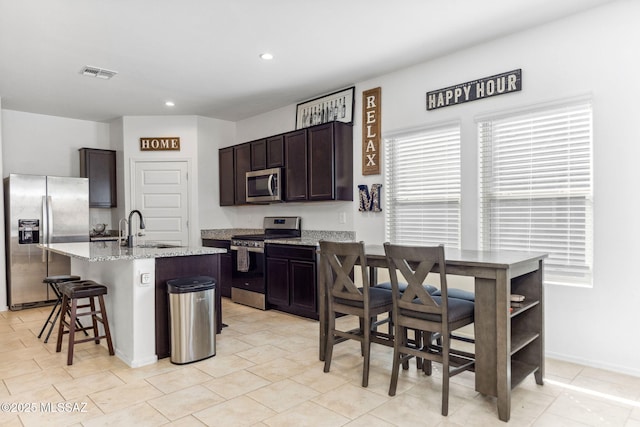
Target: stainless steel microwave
{"x": 264, "y": 186}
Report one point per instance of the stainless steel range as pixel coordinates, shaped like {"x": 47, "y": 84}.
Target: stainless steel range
{"x": 248, "y": 279}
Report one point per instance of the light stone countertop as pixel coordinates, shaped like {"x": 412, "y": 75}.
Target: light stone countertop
{"x": 227, "y": 233}
{"x": 112, "y": 251}
{"x": 307, "y": 238}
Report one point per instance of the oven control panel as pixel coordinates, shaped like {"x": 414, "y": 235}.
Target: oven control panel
{"x": 248, "y": 243}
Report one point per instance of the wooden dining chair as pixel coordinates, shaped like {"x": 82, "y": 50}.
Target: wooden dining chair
{"x": 345, "y": 298}
{"x": 416, "y": 309}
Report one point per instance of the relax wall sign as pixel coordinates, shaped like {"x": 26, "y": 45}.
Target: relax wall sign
{"x": 499, "y": 84}
{"x": 371, "y": 100}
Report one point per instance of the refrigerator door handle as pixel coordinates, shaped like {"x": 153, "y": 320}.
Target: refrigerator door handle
{"x": 49, "y": 220}
{"x": 49, "y": 223}
{"x": 44, "y": 227}
{"x": 47, "y": 215}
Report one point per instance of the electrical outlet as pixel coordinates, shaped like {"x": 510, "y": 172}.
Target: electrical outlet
{"x": 343, "y": 218}
{"x": 145, "y": 278}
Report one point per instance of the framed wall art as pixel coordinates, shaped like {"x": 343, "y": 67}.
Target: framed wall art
{"x": 337, "y": 106}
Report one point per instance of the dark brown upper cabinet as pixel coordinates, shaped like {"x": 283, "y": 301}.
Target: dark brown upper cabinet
{"x": 259, "y": 155}
{"x": 330, "y": 161}
{"x": 317, "y": 162}
{"x": 100, "y": 167}
{"x": 295, "y": 157}
{"x": 275, "y": 151}
{"x": 242, "y": 165}
{"x": 267, "y": 153}
{"x": 226, "y": 176}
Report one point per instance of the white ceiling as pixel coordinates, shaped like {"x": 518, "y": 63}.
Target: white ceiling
{"x": 203, "y": 54}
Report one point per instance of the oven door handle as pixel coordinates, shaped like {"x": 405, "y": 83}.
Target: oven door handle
{"x": 249, "y": 249}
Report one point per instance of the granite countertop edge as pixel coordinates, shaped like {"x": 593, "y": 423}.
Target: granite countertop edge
{"x": 112, "y": 251}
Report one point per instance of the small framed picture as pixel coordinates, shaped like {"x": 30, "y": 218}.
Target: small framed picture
{"x": 337, "y": 106}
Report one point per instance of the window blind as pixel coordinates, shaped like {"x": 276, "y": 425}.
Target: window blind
{"x": 422, "y": 171}
{"x": 536, "y": 188}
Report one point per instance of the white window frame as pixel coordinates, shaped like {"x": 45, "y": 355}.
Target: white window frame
{"x": 536, "y": 187}
{"x": 423, "y": 186}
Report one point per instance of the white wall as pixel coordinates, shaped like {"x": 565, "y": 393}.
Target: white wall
{"x": 184, "y": 127}
{"x": 37, "y": 144}
{"x": 200, "y": 138}
{"x": 46, "y": 145}
{"x": 212, "y": 134}
{"x": 594, "y": 53}
{"x": 116, "y": 140}
{"x": 3, "y": 277}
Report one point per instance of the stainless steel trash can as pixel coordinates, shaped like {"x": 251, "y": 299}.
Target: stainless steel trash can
{"x": 192, "y": 314}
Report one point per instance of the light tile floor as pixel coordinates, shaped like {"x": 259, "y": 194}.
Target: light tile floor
{"x": 266, "y": 373}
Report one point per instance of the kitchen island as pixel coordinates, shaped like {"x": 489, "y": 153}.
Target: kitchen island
{"x": 137, "y": 303}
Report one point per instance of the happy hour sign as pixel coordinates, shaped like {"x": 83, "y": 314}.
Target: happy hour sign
{"x": 499, "y": 84}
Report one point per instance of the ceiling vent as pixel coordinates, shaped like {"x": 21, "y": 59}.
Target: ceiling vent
{"x": 100, "y": 73}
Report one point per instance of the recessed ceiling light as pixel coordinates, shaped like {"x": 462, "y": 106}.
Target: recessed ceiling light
{"x": 266, "y": 56}
{"x": 169, "y": 103}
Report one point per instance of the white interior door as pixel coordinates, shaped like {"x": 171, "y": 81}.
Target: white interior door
{"x": 161, "y": 193}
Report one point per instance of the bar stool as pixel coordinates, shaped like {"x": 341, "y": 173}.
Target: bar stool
{"x": 53, "y": 282}
{"x": 71, "y": 293}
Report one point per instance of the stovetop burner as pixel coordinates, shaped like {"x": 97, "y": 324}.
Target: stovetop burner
{"x": 274, "y": 228}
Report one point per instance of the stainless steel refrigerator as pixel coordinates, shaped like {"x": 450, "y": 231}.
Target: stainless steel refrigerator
{"x": 41, "y": 209}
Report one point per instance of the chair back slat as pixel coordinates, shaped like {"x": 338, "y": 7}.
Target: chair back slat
{"x": 414, "y": 264}
{"x": 341, "y": 268}
{"x": 341, "y": 259}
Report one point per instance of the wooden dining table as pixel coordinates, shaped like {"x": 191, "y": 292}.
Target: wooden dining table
{"x": 509, "y": 340}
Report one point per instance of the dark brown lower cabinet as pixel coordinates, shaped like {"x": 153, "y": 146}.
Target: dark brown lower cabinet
{"x": 226, "y": 265}
{"x": 291, "y": 279}
{"x": 173, "y": 268}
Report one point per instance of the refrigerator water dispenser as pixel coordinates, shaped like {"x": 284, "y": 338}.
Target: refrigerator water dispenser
{"x": 28, "y": 231}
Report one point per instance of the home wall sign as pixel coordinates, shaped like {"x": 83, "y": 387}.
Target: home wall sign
{"x": 160, "y": 143}
{"x": 371, "y": 100}
{"x": 337, "y": 106}
{"x": 498, "y": 84}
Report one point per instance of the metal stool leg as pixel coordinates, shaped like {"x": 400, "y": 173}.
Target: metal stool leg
{"x": 53, "y": 323}
{"x": 53, "y": 310}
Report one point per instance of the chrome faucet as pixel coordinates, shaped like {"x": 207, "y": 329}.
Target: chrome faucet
{"x": 121, "y": 239}
{"x": 130, "y": 232}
